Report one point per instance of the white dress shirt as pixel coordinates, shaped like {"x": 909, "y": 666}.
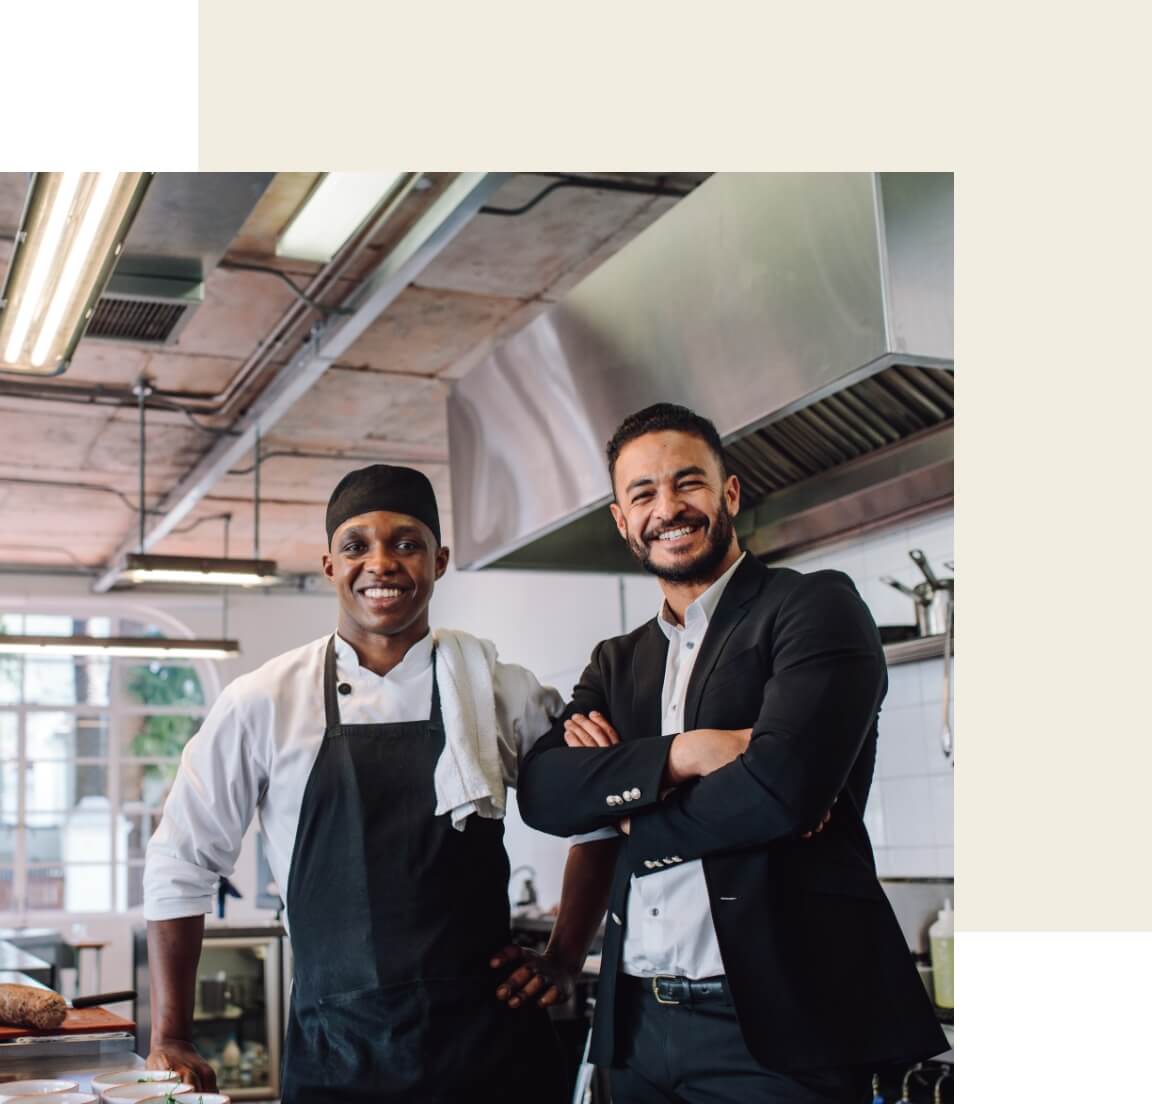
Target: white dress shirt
{"x": 669, "y": 925}
{"x": 255, "y": 751}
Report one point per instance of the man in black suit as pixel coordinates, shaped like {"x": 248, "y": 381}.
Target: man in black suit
{"x": 750, "y": 953}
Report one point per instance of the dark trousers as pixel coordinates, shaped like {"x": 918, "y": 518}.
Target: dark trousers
{"x": 694, "y": 1054}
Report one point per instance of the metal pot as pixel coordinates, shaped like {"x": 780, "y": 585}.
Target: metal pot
{"x": 932, "y": 598}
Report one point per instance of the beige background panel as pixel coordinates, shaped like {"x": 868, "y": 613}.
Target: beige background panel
{"x": 1053, "y": 744}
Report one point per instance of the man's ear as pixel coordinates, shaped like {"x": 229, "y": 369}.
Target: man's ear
{"x": 621, "y": 521}
{"x": 326, "y": 563}
{"x": 732, "y": 494}
{"x": 443, "y": 554}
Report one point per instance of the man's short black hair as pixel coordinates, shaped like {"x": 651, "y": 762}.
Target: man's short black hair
{"x": 659, "y": 418}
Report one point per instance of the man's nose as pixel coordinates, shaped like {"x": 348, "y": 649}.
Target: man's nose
{"x": 381, "y": 561}
{"x": 667, "y": 504}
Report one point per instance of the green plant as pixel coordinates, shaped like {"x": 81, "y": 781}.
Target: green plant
{"x": 164, "y": 737}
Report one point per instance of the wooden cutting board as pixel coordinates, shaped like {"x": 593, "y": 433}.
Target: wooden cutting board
{"x": 78, "y": 1021}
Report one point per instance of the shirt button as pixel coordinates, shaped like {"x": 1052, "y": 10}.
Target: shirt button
{"x": 344, "y": 688}
{"x": 655, "y": 912}
{"x": 690, "y": 644}
{"x": 674, "y": 708}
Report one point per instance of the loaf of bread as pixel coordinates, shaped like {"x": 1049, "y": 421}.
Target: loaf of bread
{"x": 27, "y": 1006}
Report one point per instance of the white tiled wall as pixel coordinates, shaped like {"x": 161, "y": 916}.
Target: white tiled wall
{"x": 909, "y": 813}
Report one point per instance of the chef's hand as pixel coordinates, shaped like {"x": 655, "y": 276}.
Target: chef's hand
{"x": 538, "y": 977}
{"x": 820, "y": 827}
{"x": 592, "y": 730}
{"x": 182, "y": 1056}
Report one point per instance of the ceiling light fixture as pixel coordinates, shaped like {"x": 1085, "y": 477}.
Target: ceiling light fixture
{"x": 211, "y": 571}
{"x": 219, "y": 571}
{"x": 145, "y": 647}
{"x": 332, "y": 213}
{"x": 71, "y": 235}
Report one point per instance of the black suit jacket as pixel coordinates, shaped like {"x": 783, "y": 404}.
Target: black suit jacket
{"x": 819, "y": 971}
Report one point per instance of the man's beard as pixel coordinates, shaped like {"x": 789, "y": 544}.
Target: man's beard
{"x": 702, "y": 568}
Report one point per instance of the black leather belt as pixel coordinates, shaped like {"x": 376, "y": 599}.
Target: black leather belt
{"x": 668, "y": 989}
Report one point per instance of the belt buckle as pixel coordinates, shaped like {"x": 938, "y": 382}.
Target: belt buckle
{"x": 656, "y": 990}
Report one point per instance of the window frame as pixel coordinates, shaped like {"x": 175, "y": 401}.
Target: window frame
{"x": 118, "y": 715}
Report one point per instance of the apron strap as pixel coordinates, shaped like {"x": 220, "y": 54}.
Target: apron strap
{"x": 435, "y": 717}
{"x": 331, "y": 707}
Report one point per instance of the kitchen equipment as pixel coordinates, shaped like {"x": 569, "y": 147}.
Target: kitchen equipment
{"x": 933, "y": 598}
{"x": 98, "y": 1000}
{"x": 940, "y": 939}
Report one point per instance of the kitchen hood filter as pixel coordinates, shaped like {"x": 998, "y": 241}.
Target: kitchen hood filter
{"x": 883, "y": 410}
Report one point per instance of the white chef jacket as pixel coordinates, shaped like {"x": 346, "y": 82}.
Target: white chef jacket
{"x": 669, "y": 925}
{"x": 255, "y": 751}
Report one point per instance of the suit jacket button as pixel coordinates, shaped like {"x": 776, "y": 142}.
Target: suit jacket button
{"x": 635, "y": 794}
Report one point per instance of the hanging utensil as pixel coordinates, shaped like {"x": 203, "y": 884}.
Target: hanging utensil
{"x": 933, "y": 597}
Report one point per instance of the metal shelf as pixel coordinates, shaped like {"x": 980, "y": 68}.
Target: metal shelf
{"x": 912, "y": 651}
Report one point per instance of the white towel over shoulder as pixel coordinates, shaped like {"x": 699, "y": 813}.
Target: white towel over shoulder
{"x": 485, "y": 733}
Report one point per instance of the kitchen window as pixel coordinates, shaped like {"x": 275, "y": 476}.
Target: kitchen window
{"x": 89, "y": 747}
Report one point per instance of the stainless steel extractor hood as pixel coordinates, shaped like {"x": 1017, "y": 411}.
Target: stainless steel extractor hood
{"x": 809, "y": 315}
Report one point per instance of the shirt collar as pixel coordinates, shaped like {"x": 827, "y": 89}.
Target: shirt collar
{"x": 700, "y": 611}
{"x": 415, "y": 662}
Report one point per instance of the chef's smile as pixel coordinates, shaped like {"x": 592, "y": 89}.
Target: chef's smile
{"x": 383, "y": 597}
{"x": 384, "y": 566}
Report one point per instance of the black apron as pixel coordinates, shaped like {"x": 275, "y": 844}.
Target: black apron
{"x": 394, "y": 915}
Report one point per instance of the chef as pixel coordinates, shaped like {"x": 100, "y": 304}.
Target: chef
{"x": 377, "y": 760}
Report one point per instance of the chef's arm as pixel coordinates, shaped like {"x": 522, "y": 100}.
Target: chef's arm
{"x": 550, "y": 978}
{"x": 173, "y": 956}
{"x": 817, "y": 709}
{"x": 583, "y": 900}
{"x": 569, "y": 791}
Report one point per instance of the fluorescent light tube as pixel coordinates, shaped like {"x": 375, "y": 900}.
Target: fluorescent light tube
{"x": 333, "y": 212}
{"x": 146, "y": 647}
{"x": 79, "y": 254}
{"x": 46, "y": 249}
{"x": 70, "y": 236}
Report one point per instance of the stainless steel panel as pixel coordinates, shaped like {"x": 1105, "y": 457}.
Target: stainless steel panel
{"x": 918, "y": 240}
{"x": 750, "y": 296}
{"x": 797, "y": 311}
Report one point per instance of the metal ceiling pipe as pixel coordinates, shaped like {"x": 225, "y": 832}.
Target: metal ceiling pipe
{"x": 435, "y": 229}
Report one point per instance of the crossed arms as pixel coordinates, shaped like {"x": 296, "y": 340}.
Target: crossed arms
{"x": 701, "y": 792}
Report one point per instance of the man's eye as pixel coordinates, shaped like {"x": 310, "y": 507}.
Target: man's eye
{"x": 354, "y": 546}
{"x": 408, "y": 546}
{"x": 641, "y": 496}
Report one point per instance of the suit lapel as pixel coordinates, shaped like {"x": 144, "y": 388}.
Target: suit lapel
{"x": 741, "y": 589}
{"x": 648, "y": 663}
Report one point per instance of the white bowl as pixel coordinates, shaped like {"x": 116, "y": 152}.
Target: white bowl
{"x": 12, "y": 1089}
{"x": 57, "y": 1098}
{"x": 130, "y": 1094}
{"x": 105, "y": 1081}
